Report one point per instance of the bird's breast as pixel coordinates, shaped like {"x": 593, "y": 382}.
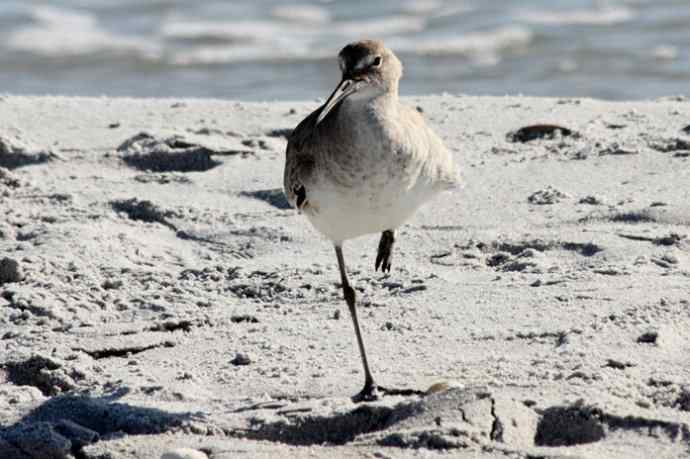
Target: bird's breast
{"x": 370, "y": 150}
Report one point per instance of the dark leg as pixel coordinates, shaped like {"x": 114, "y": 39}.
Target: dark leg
{"x": 385, "y": 252}
{"x": 369, "y": 392}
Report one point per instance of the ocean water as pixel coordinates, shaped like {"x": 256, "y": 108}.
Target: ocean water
{"x": 279, "y": 49}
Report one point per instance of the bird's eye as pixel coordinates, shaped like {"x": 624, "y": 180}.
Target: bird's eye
{"x": 377, "y": 62}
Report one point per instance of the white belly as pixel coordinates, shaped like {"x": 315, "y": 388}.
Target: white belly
{"x": 345, "y": 214}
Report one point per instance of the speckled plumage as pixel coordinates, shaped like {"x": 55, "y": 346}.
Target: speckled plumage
{"x": 364, "y": 163}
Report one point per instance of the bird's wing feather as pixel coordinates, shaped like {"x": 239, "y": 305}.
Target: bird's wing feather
{"x": 299, "y": 159}
{"x": 438, "y": 159}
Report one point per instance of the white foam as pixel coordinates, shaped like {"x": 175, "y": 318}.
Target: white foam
{"x": 473, "y": 44}
{"x": 274, "y": 47}
{"x": 271, "y": 41}
{"x": 54, "y": 17}
{"x": 454, "y": 10}
{"x": 276, "y": 40}
{"x": 665, "y": 52}
{"x": 67, "y": 32}
{"x": 239, "y": 41}
{"x": 379, "y": 27}
{"x": 596, "y": 16}
{"x": 305, "y": 14}
{"x": 247, "y": 52}
{"x": 567, "y": 65}
{"x": 232, "y": 31}
{"x": 421, "y": 6}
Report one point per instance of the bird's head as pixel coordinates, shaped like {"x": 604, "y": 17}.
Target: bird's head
{"x": 368, "y": 69}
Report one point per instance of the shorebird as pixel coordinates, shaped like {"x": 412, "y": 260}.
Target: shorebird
{"x": 363, "y": 163}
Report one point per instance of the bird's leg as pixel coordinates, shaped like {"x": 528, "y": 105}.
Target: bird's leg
{"x": 385, "y": 252}
{"x": 370, "y": 390}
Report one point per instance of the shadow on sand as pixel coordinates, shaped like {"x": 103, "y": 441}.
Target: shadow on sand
{"x": 63, "y": 425}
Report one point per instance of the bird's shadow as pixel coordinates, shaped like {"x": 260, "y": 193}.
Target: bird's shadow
{"x": 67, "y": 423}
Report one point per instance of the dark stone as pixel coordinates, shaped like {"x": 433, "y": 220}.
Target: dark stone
{"x": 539, "y": 131}
{"x": 567, "y": 426}
{"x": 10, "y": 271}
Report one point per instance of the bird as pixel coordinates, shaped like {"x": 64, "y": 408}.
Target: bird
{"x": 363, "y": 163}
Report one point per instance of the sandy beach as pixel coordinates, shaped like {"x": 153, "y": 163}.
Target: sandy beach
{"x": 158, "y": 296}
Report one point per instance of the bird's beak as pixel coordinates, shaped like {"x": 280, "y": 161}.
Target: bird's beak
{"x": 344, "y": 89}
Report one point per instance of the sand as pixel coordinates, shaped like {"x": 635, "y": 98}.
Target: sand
{"x": 158, "y": 296}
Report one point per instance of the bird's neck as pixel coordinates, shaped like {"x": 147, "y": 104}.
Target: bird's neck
{"x": 379, "y": 100}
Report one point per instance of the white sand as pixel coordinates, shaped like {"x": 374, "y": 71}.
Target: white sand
{"x": 551, "y": 293}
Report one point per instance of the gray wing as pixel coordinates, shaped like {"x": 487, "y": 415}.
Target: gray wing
{"x": 439, "y": 164}
{"x": 300, "y": 160}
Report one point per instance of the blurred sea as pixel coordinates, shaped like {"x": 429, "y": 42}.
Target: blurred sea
{"x": 279, "y": 49}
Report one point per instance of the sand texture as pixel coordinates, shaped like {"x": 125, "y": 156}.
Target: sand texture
{"x": 158, "y": 297}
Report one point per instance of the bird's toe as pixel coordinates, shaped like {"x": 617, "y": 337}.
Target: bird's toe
{"x": 384, "y": 254}
{"x": 370, "y": 393}
{"x": 383, "y": 260}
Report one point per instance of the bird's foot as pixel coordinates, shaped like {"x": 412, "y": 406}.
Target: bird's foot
{"x": 384, "y": 256}
{"x": 373, "y": 392}
{"x": 370, "y": 393}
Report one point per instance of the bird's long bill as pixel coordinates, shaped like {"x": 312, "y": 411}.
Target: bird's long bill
{"x": 344, "y": 89}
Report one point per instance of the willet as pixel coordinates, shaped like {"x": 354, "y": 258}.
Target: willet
{"x": 364, "y": 163}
